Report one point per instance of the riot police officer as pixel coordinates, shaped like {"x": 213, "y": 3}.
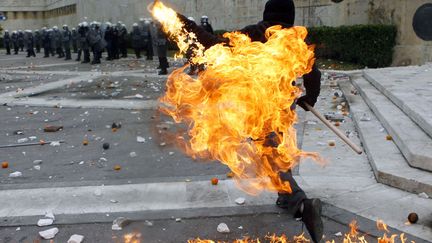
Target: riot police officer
{"x": 21, "y": 40}
{"x": 109, "y": 38}
{"x": 14, "y": 39}
{"x": 29, "y": 40}
{"x": 146, "y": 38}
{"x": 206, "y": 25}
{"x": 67, "y": 39}
{"x": 122, "y": 40}
{"x": 84, "y": 47}
{"x": 136, "y": 40}
{"x": 37, "y": 40}
{"x": 75, "y": 37}
{"x": 7, "y": 42}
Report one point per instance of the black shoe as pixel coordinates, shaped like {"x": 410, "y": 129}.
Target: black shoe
{"x": 163, "y": 72}
{"x": 77, "y": 60}
{"x": 85, "y": 61}
{"x": 282, "y": 202}
{"x": 312, "y": 218}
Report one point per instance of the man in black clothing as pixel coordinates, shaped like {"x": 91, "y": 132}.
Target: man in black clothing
{"x": 7, "y": 42}
{"x": 280, "y": 12}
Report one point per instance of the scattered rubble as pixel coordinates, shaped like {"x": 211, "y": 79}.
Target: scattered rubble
{"x": 332, "y": 116}
{"x": 423, "y": 195}
{"x": 106, "y": 146}
{"x": 5, "y": 164}
{"x": 140, "y": 139}
{"x": 76, "y": 239}
{"x": 15, "y": 174}
{"x": 117, "y": 167}
{"x": 223, "y": 228}
{"x": 240, "y": 200}
{"x": 53, "y": 128}
{"x": 119, "y": 223}
{"x": 133, "y": 154}
{"x": 45, "y": 222}
{"x": 49, "y": 234}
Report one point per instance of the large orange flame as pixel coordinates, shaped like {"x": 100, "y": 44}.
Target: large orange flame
{"x": 243, "y": 97}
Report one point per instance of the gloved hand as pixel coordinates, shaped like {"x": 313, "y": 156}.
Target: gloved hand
{"x": 306, "y": 99}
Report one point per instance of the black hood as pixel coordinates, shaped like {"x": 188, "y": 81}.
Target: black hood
{"x": 280, "y": 11}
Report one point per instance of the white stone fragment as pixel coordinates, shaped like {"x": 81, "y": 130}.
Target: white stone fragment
{"x": 240, "y": 200}
{"x": 49, "y": 234}
{"x": 76, "y": 239}
{"x": 338, "y": 234}
{"x": 423, "y": 195}
{"x": 44, "y": 222}
{"x": 15, "y": 174}
{"x": 171, "y": 153}
{"x": 223, "y": 228}
{"x": 49, "y": 215}
{"x": 140, "y": 139}
{"x": 37, "y": 167}
{"x": 148, "y": 223}
{"x": 37, "y": 162}
{"x": 98, "y": 192}
{"x": 178, "y": 219}
{"x": 23, "y": 140}
{"x": 133, "y": 154}
{"x": 55, "y": 143}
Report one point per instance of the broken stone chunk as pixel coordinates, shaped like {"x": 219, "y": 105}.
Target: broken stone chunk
{"x": 133, "y": 154}
{"x": 23, "y": 140}
{"x": 240, "y": 200}
{"x": 45, "y": 222}
{"x": 140, "y": 139}
{"x": 119, "y": 223}
{"x": 49, "y": 234}
{"x": 331, "y": 116}
{"x": 413, "y": 218}
{"x": 75, "y": 239}
{"x": 223, "y": 228}
{"x": 15, "y": 174}
{"x": 106, "y": 146}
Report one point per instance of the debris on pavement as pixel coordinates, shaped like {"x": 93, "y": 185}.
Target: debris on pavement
{"x": 49, "y": 234}
{"x": 133, "y": 154}
{"x": 148, "y": 223}
{"x": 140, "y": 139}
{"x": 413, "y": 218}
{"x": 214, "y": 181}
{"x": 178, "y": 219}
{"x": 365, "y": 117}
{"x": 37, "y": 167}
{"x": 50, "y": 215}
{"x": 53, "y": 128}
{"x": 332, "y": 116}
{"x": 331, "y": 143}
{"x": 240, "y": 200}
{"x": 22, "y": 140}
{"x": 423, "y": 195}
{"x": 18, "y": 132}
{"x": 230, "y": 174}
{"x": 116, "y": 125}
{"x": 55, "y": 143}
{"x": 106, "y": 146}
{"x": 117, "y": 167}
{"x": 85, "y": 142}
{"x": 5, "y": 164}
{"x": 119, "y": 223}
{"x": 45, "y": 222}
{"x": 223, "y": 228}
{"x": 15, "y": 174}
{"x": 389, "y": 138}
{"x": 76, "y": 239}
{"x": 338, "y": 234}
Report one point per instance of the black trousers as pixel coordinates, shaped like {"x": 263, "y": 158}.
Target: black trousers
{"x": 163, "y": 63}
{"x": 68, "y": 53}
{"x": 8, "y": 49}
{"x": 292, "y": 201}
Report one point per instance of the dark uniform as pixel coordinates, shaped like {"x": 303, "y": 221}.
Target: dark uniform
{"x": 37, "y": 40}
{"x": 21, "y": 40}
{"x": 14, "y": 39}
{"x": 67, "y": 41}
{"x": 109, "y": 39}
{"x": 7, "y": 42}
{"x": 75, "y": 37}
{"x": 84, "y": 47}
{"x": 160, "y": 42}
{"x": 123, "y": 39}
{"x": 280, "y": 12}
{"x": 146, "y": 38}
{"x": 29, "y": 40}
{"x": 206, "y": 25}
{"x": 46, "y": 40}
{"x": 94, "y": 38}
{"x": 136, "y": 40}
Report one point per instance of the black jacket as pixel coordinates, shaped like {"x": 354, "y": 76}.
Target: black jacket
{"x": 311, "y": 81}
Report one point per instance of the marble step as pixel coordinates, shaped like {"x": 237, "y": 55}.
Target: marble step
{"x": 409, "y": 88}
{"x": 389, "y": 165}
{"x": 412, "y": 141}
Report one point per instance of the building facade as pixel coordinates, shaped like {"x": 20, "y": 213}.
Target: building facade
{"x": 234, "y": 14}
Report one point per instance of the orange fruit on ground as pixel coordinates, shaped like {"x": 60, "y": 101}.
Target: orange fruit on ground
{"x": 5, "y": 164}
{"x": 214, "y": 181}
